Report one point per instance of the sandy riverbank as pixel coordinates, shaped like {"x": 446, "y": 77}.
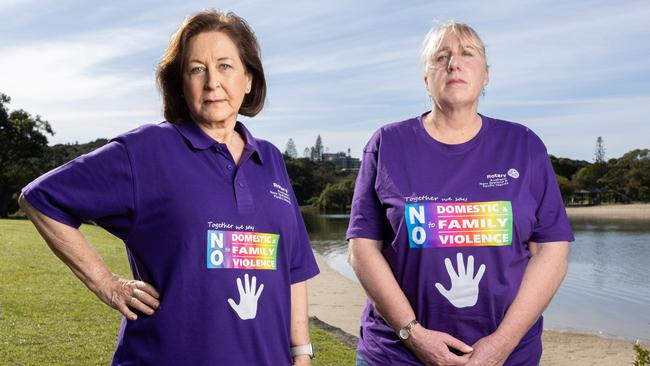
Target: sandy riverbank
{"x": 635, "y": 211}
{"x": 339, "y": 302}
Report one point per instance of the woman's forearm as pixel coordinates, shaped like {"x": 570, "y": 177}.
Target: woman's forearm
{"x": 299, "y": 321}
{"x": 376, "y": 277}
{"x": 542, "y": 278}
{"x": 73, "y": 249}
{"x": 70, "y": 245}
{"x": 299, "y": 314}
{"x": 380, "y": 284}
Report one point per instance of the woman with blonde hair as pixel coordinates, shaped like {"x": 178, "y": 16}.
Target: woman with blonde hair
{"x": 458, "y": 232}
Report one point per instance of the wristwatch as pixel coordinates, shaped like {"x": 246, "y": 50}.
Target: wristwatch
{"x": 405, "y": 332}
{"x": 306, "y": 349}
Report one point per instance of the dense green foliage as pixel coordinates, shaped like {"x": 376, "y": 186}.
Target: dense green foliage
{"x": 25, "y": 155}
{"x": 629, "y": 174}
{"x": 60, "y": 154}
{"x": 642, "y": 356}
{"x": 320, "y": 184}
{"x": 624, "y": 178}
{"x": 336, "y": 196}
{"x": 23, "y": 142}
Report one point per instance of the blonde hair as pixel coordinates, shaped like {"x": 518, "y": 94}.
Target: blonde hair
{"x": 466, "y": 35}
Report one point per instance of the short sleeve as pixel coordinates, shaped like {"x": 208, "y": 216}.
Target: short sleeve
{"x": 302, "y": 262}
{"x": 366, "y": 214}
{"x": 97, "y": 186}
{"x": 552, "y": 223}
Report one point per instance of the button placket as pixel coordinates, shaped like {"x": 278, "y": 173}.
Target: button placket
{"x": 225, "y": 162}
{"x": 243, "y": 194}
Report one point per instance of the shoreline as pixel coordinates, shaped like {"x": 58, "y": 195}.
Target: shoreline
{"x": 631, "y": 211}
{"x": 618, "y": 211}
{"x": 338, "y": 302}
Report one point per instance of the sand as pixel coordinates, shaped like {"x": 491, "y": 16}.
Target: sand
{"x": 634, "y": 211}
{"x": 338, "y": 301}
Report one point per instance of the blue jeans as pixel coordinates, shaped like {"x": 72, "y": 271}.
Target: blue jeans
{"x": 361, "y": 361}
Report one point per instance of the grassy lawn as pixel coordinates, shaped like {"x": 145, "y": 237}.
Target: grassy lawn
{"x": 48, "y": 317}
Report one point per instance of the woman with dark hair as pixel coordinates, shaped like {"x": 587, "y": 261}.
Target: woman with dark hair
{"x": 458, "y": 232}
{"x": 213, "y": 232}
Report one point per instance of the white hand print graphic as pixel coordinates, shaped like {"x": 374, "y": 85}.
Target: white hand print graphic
{"x": 247, "y": 307}
{"x": 464, "y": 286}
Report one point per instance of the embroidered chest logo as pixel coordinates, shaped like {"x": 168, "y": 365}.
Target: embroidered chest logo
{"x": 281, "y": 193}
{"x": 467, "y": 224}
{"x": 513, "y": 173}
{"x": 499, "y": 179}
{"x": 242, "y": 250}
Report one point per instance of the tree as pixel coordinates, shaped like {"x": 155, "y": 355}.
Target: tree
{"x": 309, "y": 178}
{"x": 629, "y": 174}
{"x": 317, "y": 151}
{"x": 24, "y": 143}
{"x": 588, "y": 176}
{"x": 337, "y": 196}
{"x": 290, "y": 150}
{"x": 60, "y": 154}
{"x": 567, "y": 167}
{"x": 306, "y": 153}
{"x": 599, "y": 154}
{"x": 565, "y": 186}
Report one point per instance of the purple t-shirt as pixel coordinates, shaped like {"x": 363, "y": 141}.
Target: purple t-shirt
{"x": 221, "y": 242}
{"x": 455, "y": 222}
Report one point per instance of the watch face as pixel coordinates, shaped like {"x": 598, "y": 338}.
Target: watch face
{"x": 404, "y": 334}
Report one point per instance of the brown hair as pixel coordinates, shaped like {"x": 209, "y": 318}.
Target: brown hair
{"x": 170, "y": 69}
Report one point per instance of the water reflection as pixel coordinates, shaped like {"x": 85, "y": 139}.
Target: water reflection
{"x": 327, "y": 234}
{"x": 606, "y": 290}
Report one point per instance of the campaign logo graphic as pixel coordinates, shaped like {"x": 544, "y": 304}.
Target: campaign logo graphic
{"x": 466, "y": 224}
{"x": 242, "y": 250}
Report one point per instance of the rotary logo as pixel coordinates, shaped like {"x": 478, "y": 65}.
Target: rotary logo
{"x": 513, "y": 173}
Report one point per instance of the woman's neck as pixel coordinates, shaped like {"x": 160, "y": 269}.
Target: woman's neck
{"x": 452, "y": 126}
{"x": 224, "y": 133}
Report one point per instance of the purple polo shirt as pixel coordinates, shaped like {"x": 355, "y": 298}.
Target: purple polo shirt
{"x": 455, "y": 222}
{"x": 221, "y": 242}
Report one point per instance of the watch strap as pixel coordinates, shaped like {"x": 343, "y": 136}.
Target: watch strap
{"x": 306, "y": 349}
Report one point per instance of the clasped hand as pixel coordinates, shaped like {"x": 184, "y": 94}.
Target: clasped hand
{"x": 433, "y": 348}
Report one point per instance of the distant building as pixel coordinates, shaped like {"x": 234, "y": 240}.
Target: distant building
{"x": 342, "y": 160}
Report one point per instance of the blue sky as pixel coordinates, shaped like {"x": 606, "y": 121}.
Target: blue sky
{"x": 570, "y": 70}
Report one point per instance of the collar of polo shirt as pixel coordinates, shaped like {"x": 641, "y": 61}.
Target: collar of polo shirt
{"x": 201, "y": 141}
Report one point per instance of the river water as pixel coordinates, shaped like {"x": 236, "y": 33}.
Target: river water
{"x": 606, "y": 290}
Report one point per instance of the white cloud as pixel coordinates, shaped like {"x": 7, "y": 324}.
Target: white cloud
{"x": 343, "y": 69}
